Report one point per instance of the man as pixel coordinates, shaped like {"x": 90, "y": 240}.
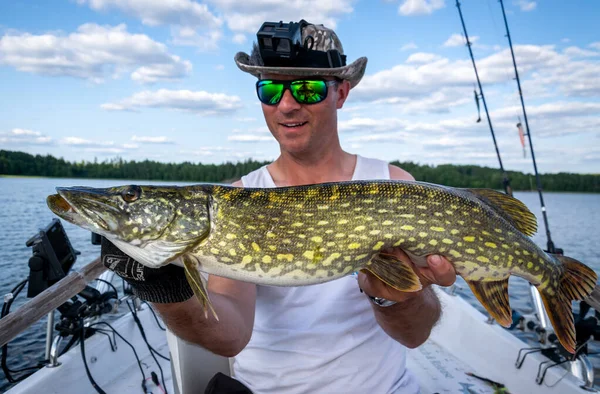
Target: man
{"x": 329, "y": 338}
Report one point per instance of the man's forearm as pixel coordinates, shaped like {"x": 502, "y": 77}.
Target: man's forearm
{"x": 410, "y": 322}
{"x": 226, "y": 337}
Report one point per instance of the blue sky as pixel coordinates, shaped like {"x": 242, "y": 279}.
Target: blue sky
{"x": 155, "y": 79}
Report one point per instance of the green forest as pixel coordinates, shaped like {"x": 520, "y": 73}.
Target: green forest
{"x": 24, "y": 164}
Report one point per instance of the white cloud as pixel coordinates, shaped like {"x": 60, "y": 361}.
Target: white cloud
{"x": 409, "y": 46}
{"x": 420, "y": 7}
{"x": 204, "y": 42}
{"x": 578, "y": 52}
{"x": 152, "y": 140}
{"x": 247, "y": 16}
{"x": 77, "y": 141}
{"x": 24, "y": 137}
{"x": 161, "y": 12}
{"x": 239, "y": 38}
{"x": 93, "y": 52}
{"x": 457, "y": 40}
{"x": 422, "y": 57}
{"x": 565, "y": 40}
{"x": 595, "y": 45}
{"x": 250, "y": 138}
{"x": 526, "y": 5}
{"x": 198, "y": 102}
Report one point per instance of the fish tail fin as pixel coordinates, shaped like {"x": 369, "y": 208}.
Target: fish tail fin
{"x": 576, "y": 283}
{"x": 198, "y": 284}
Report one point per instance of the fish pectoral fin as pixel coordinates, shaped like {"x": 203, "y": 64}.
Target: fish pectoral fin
{"x": 493, "y": 295}
{"x": 510, "y": 208}
{"x": 198, "y": 284}
{"x": 577, "y": 282}
{"x": 394, "y": 273}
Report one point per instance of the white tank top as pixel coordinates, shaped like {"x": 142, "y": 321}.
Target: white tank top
{"x": 321, "y": 338}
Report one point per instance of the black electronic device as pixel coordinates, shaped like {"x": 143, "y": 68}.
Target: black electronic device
{"x": 53, "y": 257}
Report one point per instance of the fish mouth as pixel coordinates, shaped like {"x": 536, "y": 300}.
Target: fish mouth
{"x": 81, "y": 205}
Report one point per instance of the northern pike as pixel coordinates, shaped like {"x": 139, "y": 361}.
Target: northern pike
{"x": 303, "y": 235}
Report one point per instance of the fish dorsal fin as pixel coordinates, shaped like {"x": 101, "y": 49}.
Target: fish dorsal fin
{"x": 511, "y": 209}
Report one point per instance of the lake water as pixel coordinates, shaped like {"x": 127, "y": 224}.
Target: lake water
{"x": 573, "y": 219}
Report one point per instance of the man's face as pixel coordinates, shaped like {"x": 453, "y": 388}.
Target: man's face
{"x": 304, "y": 127}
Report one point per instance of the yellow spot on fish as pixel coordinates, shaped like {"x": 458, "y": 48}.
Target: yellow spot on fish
{"x": 483, "y": 259}
{"x": 343, "y": 221}
{"x": 421, "y": 221}
{"x": 214, "y": 251}
{"x": 447, "y": 241}
{"x": 222, "y": 243}
{"x": 406, "y": 227}
{"x": 388, "y": 236}
{"x": 266, "y": 259}
{"x": 317, "y": 239}
{"x": 433, "y": 242}
{"x": 422, "y": 234}
{"x": 330, "y": 244}
{"x": 387, "y": 222}
{"x": 322, "y": 222}
{"x": 421, "y": 206}
{"x": 272, "y": 247}
{"x": 526, "y": 253}
{"x": 340, "y": 235}
{"x": 354, "y": 245}
{"x": 378, "y": 245}
{"x": 271, "y": 234}
{"x": 230, "y": 236}
{"x": 454, "y": 231}
{"x": 517, "y": 253}
{"x": 469, "y": 239}
{"x": 438, "y": 229}
{"x": 374, "y": 232}
{"x": 330, "y": 258}
{"x": 359, "y": 228}
{"x": 288, "y": 257}
{"x": 491, "y": 245}
{"x": 438, "y": 214}
{"x": 530, "y": 265}
{"x": 225, "y": 259}
{"x": 421, "y": 246}
{"x": 309, "y": 254}
{"x": 407, "y": 215}
{"x": 232, "y": 252}
{"x": 485, "y": 233}
{"x": 135, "y": 230}
{"x": 360, "y": 256}
{"x": 454, "y": 253}
{"x": 470, "y": 251}
{"x": 251, "y": 227}
{"x": 322, "y": 206}
{"x": 255, "y": 247}
{"x": 449, "y": 212}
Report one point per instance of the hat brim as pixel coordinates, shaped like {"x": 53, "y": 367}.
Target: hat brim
{"x": 353, "y": 72}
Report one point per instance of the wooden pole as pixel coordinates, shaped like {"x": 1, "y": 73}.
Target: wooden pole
{"x": 48, "y": 300}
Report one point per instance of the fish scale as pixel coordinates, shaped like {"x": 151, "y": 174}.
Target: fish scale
{"x": 303, "y": 235}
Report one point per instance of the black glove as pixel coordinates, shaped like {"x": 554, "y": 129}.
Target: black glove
{"x": 161, "y": 285}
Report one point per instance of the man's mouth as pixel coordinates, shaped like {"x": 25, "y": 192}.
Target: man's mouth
{"x": 292, "y": 125}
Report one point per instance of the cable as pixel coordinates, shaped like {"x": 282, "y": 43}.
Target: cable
{"x": 87, "y": 370}
{"x": 132, "y": 348}
{"x": 155, "y": 317}
{"x": 108, "y": 283}
{"x": 139, "y": 324}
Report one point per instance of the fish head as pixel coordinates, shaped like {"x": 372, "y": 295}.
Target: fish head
{"x": 151, "y": 224}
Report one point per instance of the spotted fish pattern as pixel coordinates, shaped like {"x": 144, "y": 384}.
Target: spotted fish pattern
{"x": 302, "y": 235}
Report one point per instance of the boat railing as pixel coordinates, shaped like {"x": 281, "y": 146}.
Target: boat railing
{"x": 48, "y": 300}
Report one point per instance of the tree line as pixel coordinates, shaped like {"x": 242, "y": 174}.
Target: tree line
{"x": 25, "y": 164}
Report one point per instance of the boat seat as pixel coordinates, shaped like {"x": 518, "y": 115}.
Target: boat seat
{"x": 193, "y": 366}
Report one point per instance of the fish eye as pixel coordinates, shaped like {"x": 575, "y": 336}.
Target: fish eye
{"x": 132, "y": 193}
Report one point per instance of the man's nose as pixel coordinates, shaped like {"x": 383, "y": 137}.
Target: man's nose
{"x": 288, "y": 103}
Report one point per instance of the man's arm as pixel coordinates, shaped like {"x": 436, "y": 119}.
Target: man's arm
{"x": 411, "y": 319}
{"x": 234, "y": 302}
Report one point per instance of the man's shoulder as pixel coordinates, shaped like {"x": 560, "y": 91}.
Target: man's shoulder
{"x": 399, "y": 174}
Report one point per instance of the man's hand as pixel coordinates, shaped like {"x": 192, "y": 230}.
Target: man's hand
{"x": 439, "y": 271}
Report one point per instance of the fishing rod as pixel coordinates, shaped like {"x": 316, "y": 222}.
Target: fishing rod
{"x": 550, "y": 244}
{"x": 506, "y": 180}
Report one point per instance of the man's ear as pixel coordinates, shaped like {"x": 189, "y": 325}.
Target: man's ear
{"x": 343, "y": 89}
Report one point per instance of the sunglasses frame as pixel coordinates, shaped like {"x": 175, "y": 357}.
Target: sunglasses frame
{"x": 287, "y": 84}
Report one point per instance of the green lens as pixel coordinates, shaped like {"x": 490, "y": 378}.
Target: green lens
{"x": 269, "y": 92}
{"x": 309, "y": 92}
